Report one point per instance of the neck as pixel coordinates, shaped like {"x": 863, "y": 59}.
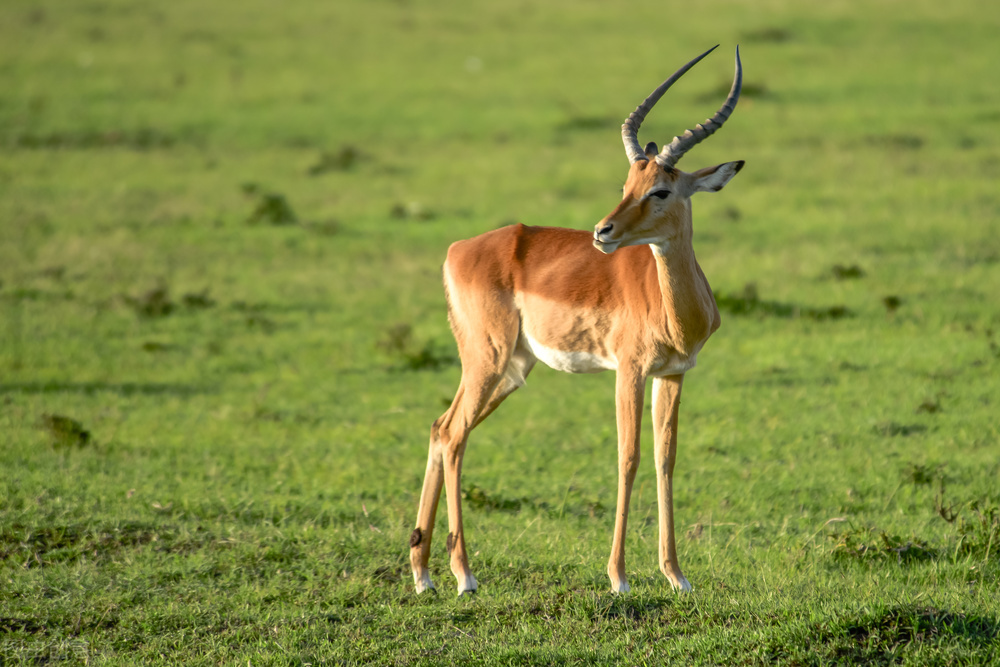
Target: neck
{"x": 687, "y": 299}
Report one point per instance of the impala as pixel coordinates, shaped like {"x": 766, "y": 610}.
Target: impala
{"x": 629, "y": 298}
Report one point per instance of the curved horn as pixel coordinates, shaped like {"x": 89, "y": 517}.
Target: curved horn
{"x": 630, "y": 129}
{"x": 676, "y": 149}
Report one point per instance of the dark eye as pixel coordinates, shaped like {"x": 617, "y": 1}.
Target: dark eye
{"x": 660, "y": 194}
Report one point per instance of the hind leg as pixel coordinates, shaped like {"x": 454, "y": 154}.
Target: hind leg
{"x": 420, "y": 538}
{"x": 481, "y": 391}
{"x": 518, "y": 368}
{"x": 454, "y": 435}
{"x": 486, "y": 324}
{"x": 476, "y": 407}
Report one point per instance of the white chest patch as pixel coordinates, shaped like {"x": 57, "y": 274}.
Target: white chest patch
{"x": 569, "y": 362}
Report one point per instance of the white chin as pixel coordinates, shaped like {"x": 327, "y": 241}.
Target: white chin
{"x": 606, "y": 248}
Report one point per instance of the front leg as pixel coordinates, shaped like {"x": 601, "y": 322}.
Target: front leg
{"x": 629, "y": 389}
{"x": 666, "y": 406}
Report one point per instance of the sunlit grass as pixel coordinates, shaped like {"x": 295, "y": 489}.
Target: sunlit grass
{"x": 214, "y": 221}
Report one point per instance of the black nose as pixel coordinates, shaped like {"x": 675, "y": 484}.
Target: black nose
{"x": 606, "y": 229}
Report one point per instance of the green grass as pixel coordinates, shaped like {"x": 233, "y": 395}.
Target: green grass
{"x": 223, "y": 336}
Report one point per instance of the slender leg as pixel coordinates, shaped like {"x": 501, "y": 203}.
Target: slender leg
{"x": 522, "y": 362}
{"x": 420, "y": 538}
{"x": 629, "y": 389}
{"x": 449, "y": 436}
{"x": 454, "y": 437}
{"x": 666, "y": 406}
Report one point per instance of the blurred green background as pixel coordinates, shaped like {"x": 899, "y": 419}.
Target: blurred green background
{"x": 223, "y": 336}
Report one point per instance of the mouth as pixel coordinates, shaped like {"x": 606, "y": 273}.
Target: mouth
{"x": 607, "y": 247}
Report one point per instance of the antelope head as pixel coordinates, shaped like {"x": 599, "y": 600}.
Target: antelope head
{"x": 656, "y": 204}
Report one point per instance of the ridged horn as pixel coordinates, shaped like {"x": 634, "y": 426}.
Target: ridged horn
{"x": 676, "y": 149}
{"x": 630, "y": 130}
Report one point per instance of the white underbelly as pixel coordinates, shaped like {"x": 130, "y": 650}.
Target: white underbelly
{"x": 568, "y": 361}
{"x": 674, "y": 365}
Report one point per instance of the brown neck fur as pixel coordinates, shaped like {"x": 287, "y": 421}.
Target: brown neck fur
{"x": 687, "y": 299}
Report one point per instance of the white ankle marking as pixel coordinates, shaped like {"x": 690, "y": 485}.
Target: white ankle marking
{"x": 423, "y": 582}
{"x": 468, "y": 586}
{"x": 682, "y": 586}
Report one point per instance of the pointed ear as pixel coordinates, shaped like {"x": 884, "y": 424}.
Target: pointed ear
{"x": 713, "y": 179}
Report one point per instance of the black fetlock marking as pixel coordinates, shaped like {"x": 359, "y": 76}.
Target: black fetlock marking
{"x": 416, "y": 537}
{"x": 450, "y": 543}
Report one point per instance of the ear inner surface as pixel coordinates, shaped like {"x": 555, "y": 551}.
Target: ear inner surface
{"x": 713, "y": 179}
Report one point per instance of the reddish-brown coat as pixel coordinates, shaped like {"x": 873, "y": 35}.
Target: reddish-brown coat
{"x": 619, "y": 296}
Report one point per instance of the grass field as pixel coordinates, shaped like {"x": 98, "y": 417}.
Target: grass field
{"x": 223, "y": 336}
